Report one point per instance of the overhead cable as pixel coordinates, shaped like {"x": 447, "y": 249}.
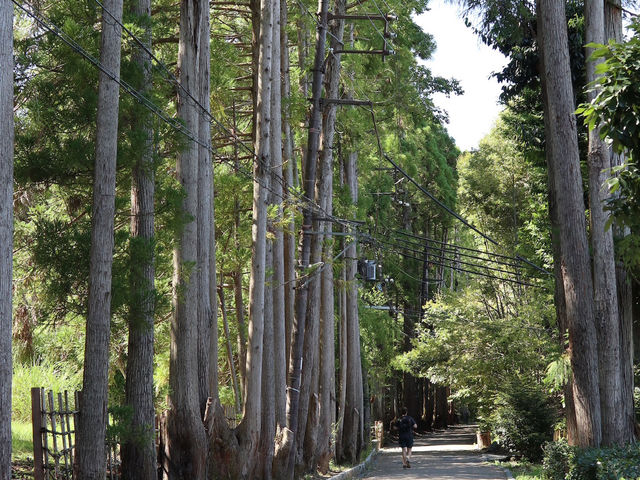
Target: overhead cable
{"x": 173, "y": 123}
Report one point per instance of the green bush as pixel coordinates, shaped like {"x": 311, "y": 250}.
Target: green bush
{"x": 524, "y": 419}
{"x": 571, "y": 463}
{"x": 557, "y": 459}
{"x": 613, "y": 463}
{"x": 51, "y": 377}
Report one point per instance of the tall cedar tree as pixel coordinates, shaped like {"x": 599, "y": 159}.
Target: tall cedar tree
{"x": 308, "y": 225}
{"x": 186, "y": 441}
{"x": 6, "y": 231}
{"x": 321, "y": 451}
{"x": 604, "y": 267}
{"x": 90, "y": 455}
{"x": 139, "y": 452}
{"x": 566, "y": 181}
{"x": 207, "y": 299}
{"x": 613, "y": 31}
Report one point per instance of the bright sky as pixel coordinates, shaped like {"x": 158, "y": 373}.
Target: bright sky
{"x": 461, "y": 55}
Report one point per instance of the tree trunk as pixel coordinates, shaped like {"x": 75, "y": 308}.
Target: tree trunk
{"x": 326, "y": 446}
{"x": 249, "y": 429}
{"x": 207, "y": 302}
{"x": 268, "y": 417}
{"x": 310, "y": 359}
{"x": 561, "y": 309}
{"x": 342, "y": 355}
{"x": 353, "y": 406}
{"x": 297, "y": 345}
{"x": 428, "y": 405}
{"x": 289, "y": 161}
{"x": 604, "y": 268}
{"x": 6, "y": 232}
{"x": 613, "y": 31}
{"x": 366, "y": 409}
{"x": 186, "y": 448}
{"x": 92, "y": 420}
{"x": 139, "y": 453}
{"x": 242, "y": 337}
{"x": 280, "y": 265}
{"x": 563, "y": 160}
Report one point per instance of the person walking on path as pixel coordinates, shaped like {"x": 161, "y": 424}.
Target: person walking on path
{"x": 406, "y": 425}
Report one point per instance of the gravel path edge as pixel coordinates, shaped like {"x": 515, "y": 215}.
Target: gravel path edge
{"x": 358, "y": 470}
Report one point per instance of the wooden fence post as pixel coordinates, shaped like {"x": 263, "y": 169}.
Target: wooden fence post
{"x": 36, "y": 420}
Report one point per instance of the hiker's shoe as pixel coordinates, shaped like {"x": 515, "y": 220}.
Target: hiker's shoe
{"x": 408, "y": 464}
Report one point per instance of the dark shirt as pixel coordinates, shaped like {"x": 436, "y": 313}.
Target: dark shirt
{"x": 405, "y": 426}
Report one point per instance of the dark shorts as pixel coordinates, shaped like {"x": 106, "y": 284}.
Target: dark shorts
{"x": 406, "y": 441}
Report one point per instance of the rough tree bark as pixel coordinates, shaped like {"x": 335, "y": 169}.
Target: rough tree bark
{"x": 268, "y": 417}
{"x": 563, "y": 160}
{"x": 249, "y": 430}
{"x": 206, "y": 268}
{"x": 351, "y": 441}
{"x": 186, "y": 443}
{"x": 287, "y": 452}
{"x": 90, "y": 459}
{"x": 239, "y": 307}
{"x": 561, "y": 310}
{"x": 319, "y": 330}
{"x": 6, "y": 231}
{"x": 324, "y": 450}
{"x": 342, "y": 341}
{"x": 613, "y": 31}
{"x": 604, "y": 268}
{"x": 139, "y": 453}
{"x": 289, "y": 162}
{"x": 440, "y": 407}
{"x": 307, "y": 415}
{"x": 280, "y": 254}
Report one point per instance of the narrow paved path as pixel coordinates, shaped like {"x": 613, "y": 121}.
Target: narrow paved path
{"x": 448, "y": 455}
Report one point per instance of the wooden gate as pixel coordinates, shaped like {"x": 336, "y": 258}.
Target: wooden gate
{"x": 54, "y": 437}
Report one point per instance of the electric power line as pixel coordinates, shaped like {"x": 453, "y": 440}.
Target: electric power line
{"x": 473, "y": 272}
{"x": 430, "y": 260}
{"x": 176, "y": 125}
{"x": 462, "y": 262}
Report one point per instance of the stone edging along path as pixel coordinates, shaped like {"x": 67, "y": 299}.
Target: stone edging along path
{"x": 358, "y": 470}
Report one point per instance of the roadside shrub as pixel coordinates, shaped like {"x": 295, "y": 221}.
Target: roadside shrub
{"x": 562, "y": 462}
{"x": 557, "y": 460}
{"x": 524, "y": 419}
{"x": 613, "y": 463}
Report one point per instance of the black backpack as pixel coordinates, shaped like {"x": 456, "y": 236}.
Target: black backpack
{"x": 404, "y": 425}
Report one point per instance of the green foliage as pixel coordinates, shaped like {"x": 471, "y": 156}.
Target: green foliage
{"x": 380, "y": 337}
{"x": 557, "y": 459}
{"x": 55, "y": 377}
{"x": 607, "y": 463}
{"x": 524, "y": 419}
{"x": 226, "y": 396}
{"x": 120, "y": 430}
{"x": 21, "y": 440}
{"x": 614, "y": 110}
{"x": 558, "y": 373}
{"x": 572, "y": 463}
{"x": 477, "y": 352}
